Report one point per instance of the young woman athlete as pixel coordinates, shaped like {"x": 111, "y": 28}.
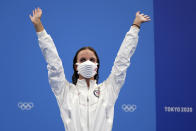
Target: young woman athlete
{"x": 84, "y": 104}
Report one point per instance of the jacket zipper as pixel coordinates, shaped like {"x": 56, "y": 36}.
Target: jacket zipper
{"x": 88, "y": 113}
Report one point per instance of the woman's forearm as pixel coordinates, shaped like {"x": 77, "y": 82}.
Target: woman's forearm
{"x": 38, "y": 26}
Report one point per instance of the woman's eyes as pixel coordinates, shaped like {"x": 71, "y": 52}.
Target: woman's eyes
{"x": 92, "y": 59}
{"x": 84, "y": 59}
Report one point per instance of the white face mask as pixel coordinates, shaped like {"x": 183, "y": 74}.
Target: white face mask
{"x": 87, "y": 69}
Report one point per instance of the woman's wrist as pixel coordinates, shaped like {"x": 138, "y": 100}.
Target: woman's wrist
{"x": 136, "y": 23}
{"x": 38, "y": 26}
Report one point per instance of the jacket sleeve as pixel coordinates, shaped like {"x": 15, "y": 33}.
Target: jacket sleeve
{"x": 56, "y": 76}
{"x": 122, "y": 61}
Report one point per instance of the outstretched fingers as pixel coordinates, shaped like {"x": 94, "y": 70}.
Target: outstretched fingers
{"x": 141, "y": 17}
{"x": 36, "y": 11}
{"x": 146, "y": 16}
{"x": 39, "y": 10}
{"x": 33, "y": 12}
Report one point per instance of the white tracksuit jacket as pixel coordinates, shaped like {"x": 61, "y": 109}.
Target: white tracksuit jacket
{"x": 80, "y": 108}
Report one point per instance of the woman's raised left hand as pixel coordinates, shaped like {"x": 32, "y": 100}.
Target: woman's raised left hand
{"x": 141, "y": 18}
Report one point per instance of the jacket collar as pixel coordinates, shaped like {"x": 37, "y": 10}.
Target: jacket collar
{"x": 81, "y": 84}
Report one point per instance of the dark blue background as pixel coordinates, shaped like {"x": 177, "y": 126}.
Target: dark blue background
{"x": 175, "y": 58}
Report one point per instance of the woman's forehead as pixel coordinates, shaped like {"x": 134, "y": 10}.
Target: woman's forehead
{"x": 86, "y": 53}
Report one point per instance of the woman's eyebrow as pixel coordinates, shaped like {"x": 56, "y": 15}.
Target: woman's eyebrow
{"x": 93, "y": 57}
{"x": 83, "y": 58}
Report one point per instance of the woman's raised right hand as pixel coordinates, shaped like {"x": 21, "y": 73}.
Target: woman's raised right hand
{"x": 37, "y": 13}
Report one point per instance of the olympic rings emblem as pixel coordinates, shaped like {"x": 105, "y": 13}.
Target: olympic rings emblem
{"x": 25, "y": 105}
{"x": 129, "y": 107}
